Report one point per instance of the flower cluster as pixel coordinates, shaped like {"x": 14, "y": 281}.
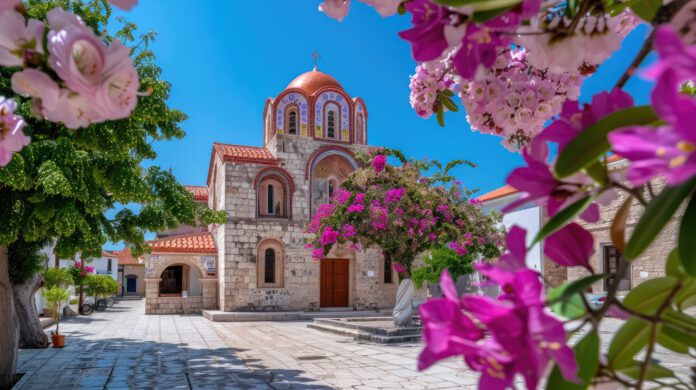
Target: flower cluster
{"x": 338, "y": 9}
{"x": 430, "y": 80}
{"x": 70, "y": 74}
{"x": 515, "y": 99}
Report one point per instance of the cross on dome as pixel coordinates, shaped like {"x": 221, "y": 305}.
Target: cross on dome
{"x": 316, "y": 57}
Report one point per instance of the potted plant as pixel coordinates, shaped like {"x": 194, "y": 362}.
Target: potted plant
{"x": 55, "y": 277}
{"x": 55, "y": 297}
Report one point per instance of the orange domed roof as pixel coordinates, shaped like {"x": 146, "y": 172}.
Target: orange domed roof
{"x": 311, "y": 82}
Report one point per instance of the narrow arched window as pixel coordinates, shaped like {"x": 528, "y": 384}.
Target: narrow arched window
{"x": 331, "y": 124}
{"x": 269, "y": 266}
{"x": 292, "y": 122}
{"x": 360, "y": 130}
{"x": 271, "y": 200}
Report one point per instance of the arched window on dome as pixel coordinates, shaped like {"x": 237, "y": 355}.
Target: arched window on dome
{"x": 331, "y": 124}
{"x": 360, "y": 130}
{"x": 292, "y": 121}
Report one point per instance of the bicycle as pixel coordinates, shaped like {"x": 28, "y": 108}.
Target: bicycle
{"x": 110, "y": 301}
{"x": 87, "y": 308}
{"x": 101, "y": 304}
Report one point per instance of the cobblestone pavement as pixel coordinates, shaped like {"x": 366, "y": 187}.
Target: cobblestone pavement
{"x": 123, "y": 348}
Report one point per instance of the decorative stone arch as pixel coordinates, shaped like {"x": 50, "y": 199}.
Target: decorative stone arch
{"x": 160, "y": 266}
{"x": 268, "y": 128}
{"x": 277, "y": 268}
{"x": 359, "y": 132}
{"x": 281, "y": 176}
{"x": 320, "y": 186}
{"x": 344, "y": 103}
{"x": 325, "y": 152}
{"x": 292, "y": 97}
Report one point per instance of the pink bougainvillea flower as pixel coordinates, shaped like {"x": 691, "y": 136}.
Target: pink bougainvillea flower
{"x": 12, "y": 138}
{"x": 668, "y": 150}
{"x": 19, "y": 39}
{"x": 379, "y": 163}
{"x": 570, "y": 246}
{"x": 384, "y": 7}
{"x": 399, "y": 268}
{"x": 329, "y": 236}
{"x": 447, "y": 331}
{"x": 427, "y": 36}
{"x": 77, "y": 55}
{"x": 117, "y": 95}
{"x": 341, "y": 196}
{"x": 394, "y": 195}
{"x": 37, "y": 85}
{"x": 337, "y": 9}
{"x": 125, "y": 5}
{"x": 538, "y": 184}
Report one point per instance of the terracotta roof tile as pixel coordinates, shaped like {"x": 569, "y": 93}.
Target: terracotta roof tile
{"x": 126, "y": 258}
{"x": 108, "y": 254}
{"x": 190, "y": 243}
{"x": 198, "y": 192}
{"x": 249, "y": 154}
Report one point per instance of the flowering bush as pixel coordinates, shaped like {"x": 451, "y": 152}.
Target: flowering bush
{"x": 403, "y": 212}
{"x": 71, "y": 75}
{"x": 516, "y": 334}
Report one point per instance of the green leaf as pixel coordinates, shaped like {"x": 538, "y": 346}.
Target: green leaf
{"x": 654, "y": 371}
{"x": 571, "y": 307}
{"x": 680, "y": 319}
{"x": 645, "y": 9}
{"x": 627, "y": 342}
{"x": 670, "y": 338}
{"x": 449, "y": 104}
{"x": 592, "y": 143}
{"x": 52, "y": 179}
{"x": 587, "y": 356}
{"x": 687, "y": 238}
{"x": 684, "y": 339}
{"x": 656, "y": 215}
{"x": 674, "y": 267}
{"x": 579, "y": 286}
{"x": 649, "y": 295}
{"x": 686, "y": 297}
{"x": 440, "y": 115}
{"x": 598, "y": 171}
{"x": 563, "y": 217}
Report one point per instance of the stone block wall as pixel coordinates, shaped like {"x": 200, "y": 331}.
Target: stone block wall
{"x": 174, "y": 305}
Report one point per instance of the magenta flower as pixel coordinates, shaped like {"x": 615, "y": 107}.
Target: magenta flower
{"x": 399, "y": 268}
{"x": 341, "y": 196}
{"x": 125, "y": 5}
{"x": 379, "y": 163}
{"x": 394, "y": 195}
{"x": 12, "y": 138}
{"x": 447, "y": 331}
{"x": 318, "y": 253}
{"x": 667, "y": 150}
{"x": 571, "y": 246}
{"x": 348, "y": 231}
{"x": 539, "y": 185}
{"x": 360, "y": 197}
{"x": 356, "y": 208}
{"x": 427, "y": 36}
{"x": 328, "y": 236}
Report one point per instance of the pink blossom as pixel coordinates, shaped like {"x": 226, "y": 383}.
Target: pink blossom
{"x": 328, "y": 236}
{"x": 12, "y": 138}
{"x": 356, "y": 208}
{"x": 379, "y": 163}
{"x": 74, "y": 110}
{"x": 318, "y": 253}
{"x": 360, "y": 197}
{"x": 341, "y": 196}
{"x": 394, "y": 195}
{"x": 348, "y": 231}
{"x": 125, "y": 5}
{"x": 570, "y": 246}
{"x": 18, "y": 39}
{"x": 116, "y": 96}
{"x": 384, "y": 7}
{"x": 38, "y": 85}
{"x": 458, "y": 248}
{"x": 399, "y": 268}
{"x": 6, "y": 5}
{"x": 77, "y": 55}
{"x": 337, "y": 9}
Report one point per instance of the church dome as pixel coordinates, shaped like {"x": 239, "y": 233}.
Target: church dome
{"x": 311, "y": 82}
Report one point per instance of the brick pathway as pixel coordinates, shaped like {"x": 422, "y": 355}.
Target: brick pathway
{"x": 123, "y": 348}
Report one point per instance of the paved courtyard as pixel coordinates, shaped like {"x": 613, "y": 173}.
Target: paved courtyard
{"x": 122, "y": 348}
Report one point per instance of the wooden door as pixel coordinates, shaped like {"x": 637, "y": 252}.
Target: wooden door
{"x": 334, "y": 284}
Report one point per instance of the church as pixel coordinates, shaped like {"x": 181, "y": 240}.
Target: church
{"x": 257, "y": 260}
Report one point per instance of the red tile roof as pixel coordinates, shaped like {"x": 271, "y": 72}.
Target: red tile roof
{"x": 189, "y": 243}
{"x": 509, "y": 190}
{"x": 108, "y": 254}
{"x": 126, "y": 258}
{"x": 248, "y": 154}
{"x": 198, "y": 192}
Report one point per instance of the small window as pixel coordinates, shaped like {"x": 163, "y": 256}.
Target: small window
{"x": 331, "y": 125}
{"x": 269, "y": 266}
{"x": 387, "y": 269}
{"x": 360, "y": 129}
{"x": 270, "y": 200}
{"x": 612, "y": 260}
{"x": 108, "y": 265}
{"x": 292, "y": 122}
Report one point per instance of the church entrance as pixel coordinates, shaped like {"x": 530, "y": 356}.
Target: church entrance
{"x": 333, "y": 282}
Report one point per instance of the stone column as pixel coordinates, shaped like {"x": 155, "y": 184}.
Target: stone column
{"x": 151, "y": 295}
{"x": 209, "y": 292}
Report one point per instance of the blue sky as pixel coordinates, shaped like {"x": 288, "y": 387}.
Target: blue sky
{"x": 224, "y": 58}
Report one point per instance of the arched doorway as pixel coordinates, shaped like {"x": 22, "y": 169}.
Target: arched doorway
{"x": 180, "y": 279}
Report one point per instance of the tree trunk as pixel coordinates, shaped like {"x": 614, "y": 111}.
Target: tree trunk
{"x": 31, "y": 334}
{"x": 8, "y": 330}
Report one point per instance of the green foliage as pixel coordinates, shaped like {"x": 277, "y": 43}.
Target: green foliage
{"x": 61, "y": 185}
{"x": 441, "y": 258}
{"x": 100, "y": 286}
{"x": 563, "y": 217}
{"x": 627, "y": 342}
{"x": 566, "y": 304}
{"x": 25, "y": 260}
{"x": 648, "y": 296}
{"x": 687, "y": 243}
{"x": 592, "y": 143}
{"x": 57, "y": 277}
{"x": 55, "y": 296}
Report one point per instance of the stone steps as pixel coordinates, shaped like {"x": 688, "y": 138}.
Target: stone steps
{"x": 360, "y": 329}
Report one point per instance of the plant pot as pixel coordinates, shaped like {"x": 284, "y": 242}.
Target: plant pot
{"x": 47, "y": 312}
{"x": 58, "y": 340}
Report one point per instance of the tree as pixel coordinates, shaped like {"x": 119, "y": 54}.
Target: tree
{"x": 405, "y": 213}
{"x": 101, "y": 286}
{"x": 440, "y": 259}
{"x": 60, "y": 186}
{"x": 55, "y": 297}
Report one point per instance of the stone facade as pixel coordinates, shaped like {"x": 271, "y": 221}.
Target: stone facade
{"x": 311, "y": 131}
